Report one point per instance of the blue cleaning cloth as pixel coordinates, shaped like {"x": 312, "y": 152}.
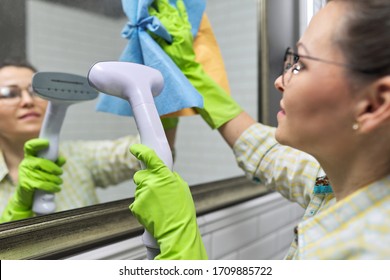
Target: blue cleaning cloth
{"x": 178, "y": 93}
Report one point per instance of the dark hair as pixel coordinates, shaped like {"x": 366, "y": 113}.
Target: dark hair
{"x": 364, "y": 38}
{"x": 17, "y": 63}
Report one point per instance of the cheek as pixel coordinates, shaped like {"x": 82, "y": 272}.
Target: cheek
{"x": 41, "y": 104}
{"x": 7, "y": 119}
{"x": 303, "y": 106}
{"x": 316, "y": 96}
{"x": 313, "y": 112}
{"x": 7, "y": 112}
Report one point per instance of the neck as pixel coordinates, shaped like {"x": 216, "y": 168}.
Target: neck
{"x": 351, "y": 173}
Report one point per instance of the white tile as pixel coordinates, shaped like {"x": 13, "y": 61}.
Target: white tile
{"x": 233, "y": 237}
{"x": 232, "y": 256}
{"x": 285, "y": 236}
{"x": 261, "y": 250}
{"x": 274, "y": 219}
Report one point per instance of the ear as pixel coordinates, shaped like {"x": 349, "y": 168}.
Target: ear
{"x": 374, "y": 110}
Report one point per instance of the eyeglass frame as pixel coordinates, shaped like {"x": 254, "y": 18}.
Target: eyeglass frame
{"x": 19, "y": 92}
{"x": 289, "y": 52}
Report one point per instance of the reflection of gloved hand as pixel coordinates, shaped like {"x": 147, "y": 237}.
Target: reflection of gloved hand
{"x": 170, "y": 128}
{"x": 219, "y": 107}
{"x": 163, "y": 205}
{"x": 169, "y": 122}
{"x": 34, "y": 173}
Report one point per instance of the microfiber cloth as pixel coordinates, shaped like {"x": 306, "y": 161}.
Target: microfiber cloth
{"x": 178, "y": 93}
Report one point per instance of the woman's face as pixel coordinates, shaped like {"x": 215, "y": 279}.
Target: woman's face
{"x": 317, "y": 105}
{"x": 20, "y": 117}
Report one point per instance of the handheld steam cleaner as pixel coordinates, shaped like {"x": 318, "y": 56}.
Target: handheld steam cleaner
{"x": 137, "y": 84}
{"x": 62, "y": 90}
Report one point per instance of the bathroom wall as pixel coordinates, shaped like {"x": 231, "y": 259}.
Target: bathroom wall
{"x": 12, "y": 29}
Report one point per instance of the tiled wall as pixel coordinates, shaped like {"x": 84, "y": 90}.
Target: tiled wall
{"x": 258, "y": 229}
{"x": 261, "y": 228}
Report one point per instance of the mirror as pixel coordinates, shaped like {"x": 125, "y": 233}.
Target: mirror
{"x": 70, "y": 36}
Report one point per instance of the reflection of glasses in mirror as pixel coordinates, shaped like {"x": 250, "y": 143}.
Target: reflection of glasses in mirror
{"x": 14, "y": 93}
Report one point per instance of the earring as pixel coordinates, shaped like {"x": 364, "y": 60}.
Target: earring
{"x": 355, "y": 126}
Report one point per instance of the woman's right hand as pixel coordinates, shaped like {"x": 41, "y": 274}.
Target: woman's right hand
{"x": 35, "y": 173}
{"x": 163, "y": 204}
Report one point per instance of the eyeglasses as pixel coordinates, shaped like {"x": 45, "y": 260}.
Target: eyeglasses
{"x": 291, "y": 60}
{"x": 14, "y": 93}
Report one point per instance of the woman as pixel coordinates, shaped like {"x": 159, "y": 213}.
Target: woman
{"x": 334, "y": 120}
{"x": 89, "y": 164}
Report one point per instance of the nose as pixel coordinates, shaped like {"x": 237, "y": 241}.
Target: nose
{"x": 279, "y": 84}
{"x": 26, "y": 98}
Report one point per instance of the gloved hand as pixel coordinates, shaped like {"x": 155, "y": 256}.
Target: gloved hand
{"x": 163, "y": 205}
{"x": 219, "y": 107}
{"x": 170, "y": 128}
{"x": 169, "y": 122}
{"x": 34, "y": 173}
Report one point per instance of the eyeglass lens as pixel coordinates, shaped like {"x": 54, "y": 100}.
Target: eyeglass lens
{"x": 11, "y": 92}
{"x": 290, "y": 59}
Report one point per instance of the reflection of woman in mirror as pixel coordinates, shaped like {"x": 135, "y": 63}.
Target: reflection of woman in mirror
{"x": 89, "y": 164}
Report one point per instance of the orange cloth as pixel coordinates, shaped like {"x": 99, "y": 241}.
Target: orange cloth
{"x": 208, "y": 54}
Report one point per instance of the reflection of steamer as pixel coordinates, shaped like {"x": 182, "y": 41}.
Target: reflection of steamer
{"x": 62, "y": 90}
{"x": 137, "y": 84}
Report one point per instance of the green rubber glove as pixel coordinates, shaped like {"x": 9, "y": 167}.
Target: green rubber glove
{"x": 169, "y": 122}
{"x": 163, "y": 205}
{"x": 34, "y": 173}
{"x": 219, "y": 107}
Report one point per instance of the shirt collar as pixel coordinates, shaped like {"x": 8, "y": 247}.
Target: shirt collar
{"x": 339, "y": 214}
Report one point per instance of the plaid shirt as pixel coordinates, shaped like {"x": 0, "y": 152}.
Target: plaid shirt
{"x": 357, "y": 227}
{"x": 89, "y": 164}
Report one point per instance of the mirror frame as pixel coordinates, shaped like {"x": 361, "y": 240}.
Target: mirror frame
{"x": 67, "y": 233}
{"x": 63, "y": 234}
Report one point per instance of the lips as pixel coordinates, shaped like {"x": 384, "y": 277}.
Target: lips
{"x": 282, "y": 107}
{"x": 30, "y": 115}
